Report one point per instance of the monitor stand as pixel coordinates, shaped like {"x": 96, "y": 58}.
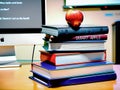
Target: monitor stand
{"x": 8, "y": 57}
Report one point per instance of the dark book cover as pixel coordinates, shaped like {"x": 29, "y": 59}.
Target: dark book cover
{"x": 116, "y": 42}
{"x": 57, "y": 30}
{"x": 74, "y": 80}
{"x": 78, "y": 38}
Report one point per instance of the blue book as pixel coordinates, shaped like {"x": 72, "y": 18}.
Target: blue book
{"x": 49, "y": 66}
{"x": 74, "y": 80}
{"x": 50, "y": 71}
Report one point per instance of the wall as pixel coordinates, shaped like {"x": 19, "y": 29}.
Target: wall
{"x": 56, "y": 15}
{"x": 24, "y": 52}
{"x": 24, "y": 44}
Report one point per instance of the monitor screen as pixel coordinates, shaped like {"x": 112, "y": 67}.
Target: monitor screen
{"x": 21, "y": 16}
{"x": 91, "y": 3}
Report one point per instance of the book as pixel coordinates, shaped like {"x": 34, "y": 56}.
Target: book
{"x": 79, "y": 37}
{"x": 73, "y": 57}
{"x": 116, "y": 42}
{"x": 63, "y": 30}
{"x": 74, "y": 45}
{"x": 71, "y": 71}
{"x": 49, "y": 66}
{"x": 74, "y": 80}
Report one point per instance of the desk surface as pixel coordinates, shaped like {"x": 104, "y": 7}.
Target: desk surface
{"x": 17, "y": 79}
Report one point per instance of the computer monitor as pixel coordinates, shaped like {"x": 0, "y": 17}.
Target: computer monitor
{"x": 20, "y": 23}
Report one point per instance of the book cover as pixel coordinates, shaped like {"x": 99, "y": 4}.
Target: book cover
{"x": 74, "y": 80}
{"x": 75, "y": 57}
{"x": 60, "y": 30}
{"x": 51, "y": 72}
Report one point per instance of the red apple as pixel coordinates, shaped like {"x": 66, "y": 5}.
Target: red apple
{"x": 74, "y": 18}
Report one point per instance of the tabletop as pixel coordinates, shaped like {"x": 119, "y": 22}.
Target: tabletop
{"x": 18, "y": 79}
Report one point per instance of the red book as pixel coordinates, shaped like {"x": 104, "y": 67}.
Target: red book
{"x": 80, "y": 37}
{"x": 73, "y": 57}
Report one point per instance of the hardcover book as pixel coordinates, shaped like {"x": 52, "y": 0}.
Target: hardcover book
{"x": 78, "y": 37}
{"x": 62, "y": 30}
{"x": 74, "y": 80}
{"x": 49, "y": 71}
{"x": 72, "y": 57}
{"x": 116, "y": 42}
{"x": 74, "y": 45}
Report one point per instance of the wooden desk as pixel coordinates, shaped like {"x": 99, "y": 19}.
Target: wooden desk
{"x": 17, "y": 79}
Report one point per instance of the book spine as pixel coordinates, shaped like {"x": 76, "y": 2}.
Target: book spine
{"x": 80, "y": 37}
{"x": 83, "y": 31}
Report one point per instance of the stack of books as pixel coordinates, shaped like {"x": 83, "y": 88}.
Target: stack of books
{"x": 73, "y": 56}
